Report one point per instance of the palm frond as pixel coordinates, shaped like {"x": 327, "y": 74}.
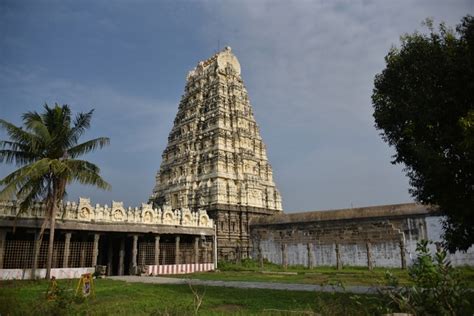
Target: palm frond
{"x": 34, "y": 122}
{"x": 4, "y": 144}
{"x": 18, "y": 178}
{"x": 75, "y": 165}
{"x": 16, "y": 156}
{"x": 24, "y": 148}
{"x": 30, "y": 193}
{"x": 30, "y": 117}
{"x": 91, "y": 178}
{"x": 88, "y": 146}
{"x": 81, "y": 123}
{"x": 19, "y": 135}
{"x": 58, "y": 120}
{"x": 85, "y": 172}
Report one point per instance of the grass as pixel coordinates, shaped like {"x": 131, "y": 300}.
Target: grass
{"x": 249, "y": 270}
{"x": 317, "y": 276}
{"x": 120, "y": 298}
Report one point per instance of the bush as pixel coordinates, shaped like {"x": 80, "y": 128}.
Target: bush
{"x": 248, "y": 264}
{"x": 437, "y": 289}
{"x": 244, "y": 265}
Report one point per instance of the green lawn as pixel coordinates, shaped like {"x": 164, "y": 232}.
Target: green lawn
{"x": 120, "y": 298}
{"x": 316, "y": 276}
{"x": 250, "y": 271}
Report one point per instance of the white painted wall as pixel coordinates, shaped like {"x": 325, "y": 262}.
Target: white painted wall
{"x": 383, "y": 254}
{"x": 59, "y": 273}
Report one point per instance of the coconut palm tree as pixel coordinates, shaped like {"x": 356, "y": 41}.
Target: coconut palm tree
{"x": 45, "y": 150}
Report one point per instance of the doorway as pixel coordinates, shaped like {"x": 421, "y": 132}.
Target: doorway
{"x": 115, "y": 252}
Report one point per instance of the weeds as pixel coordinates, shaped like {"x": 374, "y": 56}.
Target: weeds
{"x": 437, "y": 289}
{"x": 197, "y": 298}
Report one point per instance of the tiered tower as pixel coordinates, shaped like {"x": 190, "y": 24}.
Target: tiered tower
{"x": 215, "y": 158}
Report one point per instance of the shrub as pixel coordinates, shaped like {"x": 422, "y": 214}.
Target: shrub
{"x": 437, "y": 289}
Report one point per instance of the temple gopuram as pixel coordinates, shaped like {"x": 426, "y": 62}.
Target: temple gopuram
{"x": 215, "y": 158}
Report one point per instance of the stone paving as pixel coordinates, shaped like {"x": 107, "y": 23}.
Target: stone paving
{"x": 356, "y": 289}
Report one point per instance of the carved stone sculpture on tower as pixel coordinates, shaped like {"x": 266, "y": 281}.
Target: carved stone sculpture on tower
{"x": 215, "y": 158}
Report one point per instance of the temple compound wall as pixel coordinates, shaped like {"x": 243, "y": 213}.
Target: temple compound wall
{"x": 378, "y": 236}
{"x": 140, "y": 240}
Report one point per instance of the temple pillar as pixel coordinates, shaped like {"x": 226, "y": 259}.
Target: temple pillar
{"x": 134, "y": 251}
{"x": 214, "y": 247}
{"x": 110, "y": 257}
{"x": 402, "y": 254}
{"x": 338, "y": 258}
{"x": 157, "y": 250}
{"x": 95, "y": 249}
{"x": 176, "y": 254}
{"x": 310, "y": 256}
{"x": 284, "y": 256}
{"x": 368, "y": 246}
{"x": 121, "y": 267}
{"x": 196, "y": 249}
{"x": 67, "y": 245}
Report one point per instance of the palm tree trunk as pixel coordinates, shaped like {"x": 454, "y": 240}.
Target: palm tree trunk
{"x": 51, "y": 240}
{"x": 37, "y": 247}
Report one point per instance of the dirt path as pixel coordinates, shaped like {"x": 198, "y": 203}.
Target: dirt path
{"x": 357, "y": 289}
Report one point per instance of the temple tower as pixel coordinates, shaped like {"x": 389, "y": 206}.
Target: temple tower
{"x": 215, "y": 158}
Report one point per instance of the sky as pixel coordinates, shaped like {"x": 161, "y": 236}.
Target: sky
{"x": 308, "y": 66}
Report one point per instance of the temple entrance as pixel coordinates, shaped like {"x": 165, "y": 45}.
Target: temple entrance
{"x": 115, "y": 252}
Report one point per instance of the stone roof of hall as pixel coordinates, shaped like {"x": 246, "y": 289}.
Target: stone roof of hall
{"x": 379, "y": 211}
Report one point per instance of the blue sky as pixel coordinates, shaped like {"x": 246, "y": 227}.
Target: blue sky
{"x": 308, "y": 66}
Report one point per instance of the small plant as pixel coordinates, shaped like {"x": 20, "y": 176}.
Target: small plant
{"x": 197, "y": 298}
{"x": 58, "y": 301}
{"x": 248, "y": 264}
{"x": 437, "y": 289}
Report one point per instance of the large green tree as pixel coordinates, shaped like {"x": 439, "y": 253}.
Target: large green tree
{"x": 424, "y": 106}
{"x": 46, "y": 149}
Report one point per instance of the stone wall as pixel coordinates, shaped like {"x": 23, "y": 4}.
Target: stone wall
{"x": 459, "y": 258}
{"x": 233, "y": 229}
{"x": 380, "y": 236}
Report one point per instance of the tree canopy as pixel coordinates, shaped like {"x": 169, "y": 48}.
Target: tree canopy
{"x": 424, "y": 107}
{"x": 46, "y": 149}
